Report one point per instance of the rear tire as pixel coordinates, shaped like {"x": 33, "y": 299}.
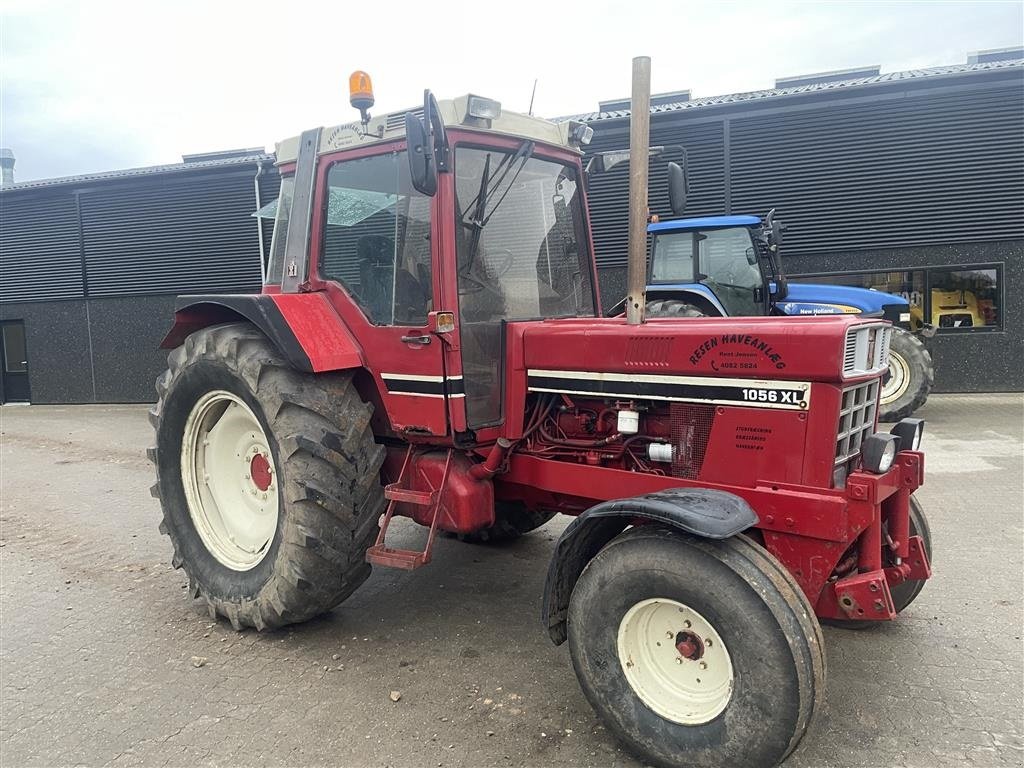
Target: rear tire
{"x": 317, "y": 448}
{"x": 752, "y": 702}
{"x": 910, "y": 377}
{"x": 511, "y": 520}
{"x": 672, "y": 308}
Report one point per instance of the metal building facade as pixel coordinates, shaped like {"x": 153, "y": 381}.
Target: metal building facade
{"x": 913, "y": 172}
{"x": 90, "y": 267}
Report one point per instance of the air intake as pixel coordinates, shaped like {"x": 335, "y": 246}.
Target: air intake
{"x": 396, "y": 120}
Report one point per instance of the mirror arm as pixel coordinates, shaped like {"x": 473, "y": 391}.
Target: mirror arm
{"x": 435, "y": 130}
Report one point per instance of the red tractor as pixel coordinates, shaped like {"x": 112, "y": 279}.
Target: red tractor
{"x": 430, "y": 344}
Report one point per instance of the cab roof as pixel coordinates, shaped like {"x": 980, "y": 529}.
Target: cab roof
{"x": 454, "y": 113}
{"x": 706, "y": 222}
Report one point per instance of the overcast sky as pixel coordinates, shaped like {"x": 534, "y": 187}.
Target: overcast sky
{"x": 91, "y": 86}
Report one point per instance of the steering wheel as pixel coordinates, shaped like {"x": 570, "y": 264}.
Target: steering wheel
{"x": 499, "y": 262}
{"x": 496, "y": 267}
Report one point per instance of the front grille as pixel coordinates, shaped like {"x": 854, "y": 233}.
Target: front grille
{"x": 866, "y": 350}
{"x": 690, "y": 427}
{"x": 856, "y": 419}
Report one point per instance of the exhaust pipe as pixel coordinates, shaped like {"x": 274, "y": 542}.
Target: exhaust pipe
{"x": 639, "y": 141}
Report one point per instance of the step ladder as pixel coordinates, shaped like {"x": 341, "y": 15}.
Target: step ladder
{"x": 398, "y": 493}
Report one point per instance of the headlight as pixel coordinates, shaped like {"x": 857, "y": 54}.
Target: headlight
{"x": 877, "y": 452}
{"x": 909, "y": 431}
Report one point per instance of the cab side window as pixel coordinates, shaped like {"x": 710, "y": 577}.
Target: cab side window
{"x": 377, "y": 239}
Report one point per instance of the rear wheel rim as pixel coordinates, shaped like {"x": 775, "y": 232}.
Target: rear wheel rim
{"x": 897, "y": 380}
{"x": 230, "y": 481}
{"x": 675, "y": 661}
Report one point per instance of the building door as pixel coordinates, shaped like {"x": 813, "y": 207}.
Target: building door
{"x": 14, "y": 363}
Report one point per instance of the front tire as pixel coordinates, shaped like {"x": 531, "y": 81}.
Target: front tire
{"x": 906, "y": 593}
{"x": 910, "y": 377}
{"x": 268, "y": 478}
{"x": 696, "y": 652}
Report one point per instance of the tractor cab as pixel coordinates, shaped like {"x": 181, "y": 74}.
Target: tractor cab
{"x": 728, "y": 264}
{"x": 428, "y": 231}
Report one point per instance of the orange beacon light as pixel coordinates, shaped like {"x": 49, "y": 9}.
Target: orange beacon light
{"x": 360, "y": 93}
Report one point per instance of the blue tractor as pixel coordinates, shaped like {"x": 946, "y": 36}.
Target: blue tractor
{"x": 729, "y": 266}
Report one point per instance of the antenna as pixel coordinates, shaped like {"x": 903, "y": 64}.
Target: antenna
{"x": 534, "y": 93}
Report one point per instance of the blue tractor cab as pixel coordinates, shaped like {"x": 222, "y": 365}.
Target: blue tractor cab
{"x": 729, "y": 266}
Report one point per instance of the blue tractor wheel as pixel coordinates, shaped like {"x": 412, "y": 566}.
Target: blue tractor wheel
{"x": 909, "y": 380}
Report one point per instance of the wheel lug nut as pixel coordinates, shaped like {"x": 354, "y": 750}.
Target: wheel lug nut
{"x": 687, "y": 624}
{"x": 679, "y": 659}
{"x": 668, "y": 635}
{"x": 703, "y": 665}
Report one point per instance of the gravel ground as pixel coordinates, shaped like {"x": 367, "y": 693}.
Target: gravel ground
{"x": 100, "y": 650}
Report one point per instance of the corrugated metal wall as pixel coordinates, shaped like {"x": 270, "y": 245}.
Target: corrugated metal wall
{"x": 943, "y": 167}
{"x": 608, "y": 193}
{"x": 161, "y": 234}
{"x": 40, "y": 256}
{"x": 917, "y": 171}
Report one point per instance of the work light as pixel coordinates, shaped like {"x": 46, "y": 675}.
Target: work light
{"x": 483, "y": 109}
{"x": 878, "y": 451}
{"x": 909, "y": 431}
{"x": 580, "y": 133}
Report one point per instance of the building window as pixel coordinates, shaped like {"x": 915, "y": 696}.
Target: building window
{"x": 377, "y": 239}
{"x": 951, "y": 299}
{"x": 965, "y": 298}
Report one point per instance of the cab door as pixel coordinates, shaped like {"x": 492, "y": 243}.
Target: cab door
{"x": 376, "y": 241}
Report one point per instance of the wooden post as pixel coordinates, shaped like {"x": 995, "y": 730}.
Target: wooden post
{"x": 639, "y": 142}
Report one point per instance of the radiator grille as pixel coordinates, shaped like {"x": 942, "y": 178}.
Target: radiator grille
{"x": 690, "y": 428}
{"x": 866, "y": 350}
{"x": 856, "y": 419}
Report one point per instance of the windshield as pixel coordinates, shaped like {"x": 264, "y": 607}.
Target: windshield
{"x": 722, "y": 259}
{"x": 522, "y": 247}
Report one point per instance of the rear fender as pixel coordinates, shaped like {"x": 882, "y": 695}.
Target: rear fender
{"x": 699, "y": 511}
{"x": 303, "y": 326}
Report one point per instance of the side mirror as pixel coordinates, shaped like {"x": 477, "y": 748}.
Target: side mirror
{"x": 428, "y": 146}
{"x": 777, "y": 228}
{"x": 772, "y": 230}
{"x": 677, "y": 188}
{"x": 422, "y": 167}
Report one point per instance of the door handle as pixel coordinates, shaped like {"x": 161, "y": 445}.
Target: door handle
{"x": 416, "y": 339}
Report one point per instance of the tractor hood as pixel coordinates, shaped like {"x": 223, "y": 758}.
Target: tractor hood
{"x": 823, "y": 299}
{"x": 793, "y": 348}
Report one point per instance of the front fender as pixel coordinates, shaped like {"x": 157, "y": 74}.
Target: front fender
{"x": 303, "y": 326}
{"x": 698, "y": 511}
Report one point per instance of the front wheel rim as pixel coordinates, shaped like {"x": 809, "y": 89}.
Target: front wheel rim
{"x": 675, "y": 661}
{"x": 230, "y": 481}
{"x": 897, "y": 380}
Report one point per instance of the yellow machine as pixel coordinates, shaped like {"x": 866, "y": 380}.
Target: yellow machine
{"x": 951, "y": 309}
